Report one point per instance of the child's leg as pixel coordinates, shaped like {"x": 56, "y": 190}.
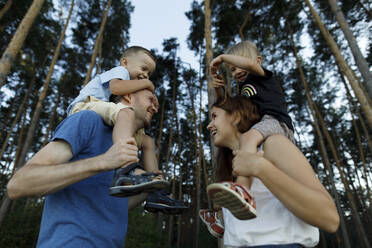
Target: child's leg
{"x": 249, "y": 142}
{"x": 150, "y": 161}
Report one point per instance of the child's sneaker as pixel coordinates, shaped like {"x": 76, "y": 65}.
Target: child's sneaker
{"x": 234, "y": 197}
{"x": 159, "y": 201}
{"x": 214, "y": 224}
{"x": 126, "y": 183}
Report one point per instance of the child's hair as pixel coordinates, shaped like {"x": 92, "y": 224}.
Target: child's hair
{"x": 245, "y": 48}
{"x": 249, "y": 115}
{"x": 133, "y": 50}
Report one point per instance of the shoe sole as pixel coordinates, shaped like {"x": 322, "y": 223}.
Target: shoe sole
{"x": 158, "y": 207}
{"x": 231, "y": 200}
{"x": 125, "y": 191}
{"x": 215, "y": 234}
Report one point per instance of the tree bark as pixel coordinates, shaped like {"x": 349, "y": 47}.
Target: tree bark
{"x": 97, "y": 43}
{"x": 198, "y": 166}
{"x": 360, "y": 61}
{"x": 36, "y": 115}
{"x": 18, "y": 115}
{"x": 353, "y": 81}
{"x": 51, "y": 120}
{"x": 19, "y": 37}
{"x": 320, "y": 136}
{"x": 5, "y": 8}
{"x": 37, "y": 111}
{"x": 160, "y": 134}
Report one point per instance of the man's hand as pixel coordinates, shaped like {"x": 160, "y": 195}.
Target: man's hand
{"x": 246, "y": 163}
{"x": 120, "y": 154}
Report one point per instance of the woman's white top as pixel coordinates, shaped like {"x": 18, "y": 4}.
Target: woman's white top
{"x": 274, "y": 223}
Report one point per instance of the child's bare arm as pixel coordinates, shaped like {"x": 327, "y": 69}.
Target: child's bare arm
{"x": 123, "y": 87}
{"x": 248, "y": 64}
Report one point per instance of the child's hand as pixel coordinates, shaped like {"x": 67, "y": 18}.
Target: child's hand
{"x": 218, "y": 82}
{"x": 215, "y": 65}
{"x": 246, "y": 163}
{"x": 150, "y": 85}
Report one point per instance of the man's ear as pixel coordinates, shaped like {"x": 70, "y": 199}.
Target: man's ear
{"x": 259, "y": 60}
{"x": 128, "y": 98}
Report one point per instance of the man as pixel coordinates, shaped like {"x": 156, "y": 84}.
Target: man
{"x": 75, "y": 171}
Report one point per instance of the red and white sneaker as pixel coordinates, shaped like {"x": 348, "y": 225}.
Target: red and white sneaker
{"x": 234, "y": 197}
{"x": 214, "y": 224}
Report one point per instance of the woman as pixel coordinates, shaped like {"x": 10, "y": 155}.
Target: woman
{"x": 291, "y": 201}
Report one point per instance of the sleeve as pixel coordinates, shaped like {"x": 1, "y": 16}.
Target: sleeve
{"x": 117, "y": 72}
{"x": 77, "y": 130}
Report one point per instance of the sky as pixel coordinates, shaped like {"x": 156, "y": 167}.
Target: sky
{"x": 153, "y": 21}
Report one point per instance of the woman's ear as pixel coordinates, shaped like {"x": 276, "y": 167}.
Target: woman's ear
{"x": 236, "y": 119}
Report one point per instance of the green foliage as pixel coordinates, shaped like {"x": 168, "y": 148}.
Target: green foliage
{"x": 142, "y": 231}
{"x": 21, "y": 226}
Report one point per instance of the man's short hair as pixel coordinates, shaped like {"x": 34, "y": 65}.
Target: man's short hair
{"x": 133, "y": 50}
{"x": 115, "y": 98}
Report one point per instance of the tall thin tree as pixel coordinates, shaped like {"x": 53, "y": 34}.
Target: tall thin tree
{"x": 19, "y": 37}
{"x": 353, "y": 81}
{"x": 37, "y": 111}
{"x": 357, "y": 54}
{"x": 97, "y": 43}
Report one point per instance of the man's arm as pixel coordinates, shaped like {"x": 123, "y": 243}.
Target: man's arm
{"x": 49, "y": 170}
{"x": 123, "y": 87}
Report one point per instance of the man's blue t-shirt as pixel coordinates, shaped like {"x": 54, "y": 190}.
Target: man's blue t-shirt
{"x": 84, "y": 214}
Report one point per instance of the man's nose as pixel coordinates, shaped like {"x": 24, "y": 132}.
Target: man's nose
{"x": 154, "y": 108}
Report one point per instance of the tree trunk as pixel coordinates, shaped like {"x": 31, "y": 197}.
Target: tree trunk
{"x": 246, "y": 19}
{"x": 179, "y": 218}
{"x": 36, "y": 115}
{"x": 51, "y": 120}
{"x": 5, "y": 8}
{"x": 356, "y": 110}
{"x": 161, "y": 125}
{"x": 6, "y": 120}
{"x": 96, "y": 44}
{"x": 349, "y": 194}
{"x": 320, "y": 136}
{"x": 198, "y": 144}
{"x": 19, "y": 37}
{"x": 353, "y": 81}
{"x": 208, "y": 59}
{"x": 21, "y": 109}
{"x": 360, "y": 61}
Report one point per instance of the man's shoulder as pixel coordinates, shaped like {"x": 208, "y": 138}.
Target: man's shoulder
{"x": 84, "y": 115}
{"x": 85, "y": 119}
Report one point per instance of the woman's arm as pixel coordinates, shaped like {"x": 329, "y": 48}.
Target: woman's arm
{"x": 285, "y": 171}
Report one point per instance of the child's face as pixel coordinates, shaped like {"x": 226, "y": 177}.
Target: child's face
{"x": 238, "y": 74}
{"x": 139, "y": 65}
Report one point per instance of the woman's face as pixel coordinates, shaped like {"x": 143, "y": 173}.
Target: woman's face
{"x": 221, "y": 127}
